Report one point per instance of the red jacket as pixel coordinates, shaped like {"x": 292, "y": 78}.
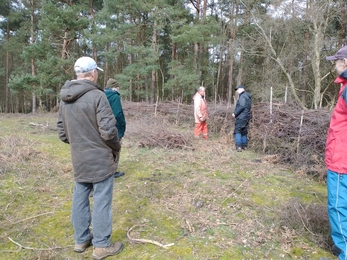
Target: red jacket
{"x": 336, "y": 144}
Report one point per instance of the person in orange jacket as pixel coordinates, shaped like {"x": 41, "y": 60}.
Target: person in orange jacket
{"x": 200, "y": 113}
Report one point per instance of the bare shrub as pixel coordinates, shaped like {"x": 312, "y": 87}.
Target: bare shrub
{"x": 310, "y": 220}
{"x": 15, "y": 150}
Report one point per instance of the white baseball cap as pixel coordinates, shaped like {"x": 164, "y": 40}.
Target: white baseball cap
{"x": 85, "y": 64}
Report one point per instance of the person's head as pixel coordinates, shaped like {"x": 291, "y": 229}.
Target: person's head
{"x": 239, "y": 89}
{"x": 201, "y": 91}
{"x": 86, "y": 68}
{"x": 339, "y": 59}
{"x": 112, "y": 84}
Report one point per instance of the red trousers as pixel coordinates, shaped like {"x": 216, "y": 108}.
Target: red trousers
{"x": 201, "y": 128}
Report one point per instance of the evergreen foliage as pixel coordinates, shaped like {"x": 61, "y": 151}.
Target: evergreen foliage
{"x": 165, "y": 49}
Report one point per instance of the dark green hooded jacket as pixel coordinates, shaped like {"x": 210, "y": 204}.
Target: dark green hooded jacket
{"x": 116, "y": 105}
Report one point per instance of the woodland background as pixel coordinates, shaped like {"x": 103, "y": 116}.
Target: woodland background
{"x": 243, "y": 206}
{"x": 163, "y": 50}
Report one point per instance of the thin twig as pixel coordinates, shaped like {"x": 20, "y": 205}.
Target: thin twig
{"x": 146, "y": 240}
{"x": 36, "y": 249}
{"x": 46, "y": 213}
{"x": 304, "y": 222}
{"x": 234, "y": 191}
{"x": 190, "y": 228}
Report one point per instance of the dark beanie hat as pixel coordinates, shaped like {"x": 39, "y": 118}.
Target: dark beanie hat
{"x": 112, "y": 83}
{"x": 240, "y": 86}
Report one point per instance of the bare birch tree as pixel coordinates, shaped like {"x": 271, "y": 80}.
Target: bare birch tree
{"x": 319, "y": 13}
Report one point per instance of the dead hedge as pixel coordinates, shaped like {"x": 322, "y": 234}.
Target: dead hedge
{"x": 295, "y": 136}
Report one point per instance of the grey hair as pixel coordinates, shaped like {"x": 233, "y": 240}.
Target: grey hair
{"x": 84, "y": 74}
{"x": 201, "y": 88}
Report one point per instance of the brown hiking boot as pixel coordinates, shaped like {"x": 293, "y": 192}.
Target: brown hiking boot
{"x": 103, "y": 252}
{"x": 79, "y": 248}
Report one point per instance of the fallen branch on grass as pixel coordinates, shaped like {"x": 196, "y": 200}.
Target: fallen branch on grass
{"x": 140, "y": 240}
{"x": 46, "y": 213}
{"x": 190, "y": 228}
{"x": 231, "y": 194}
{"x": 35, "y": 249}
{"x": 38, "y": 125}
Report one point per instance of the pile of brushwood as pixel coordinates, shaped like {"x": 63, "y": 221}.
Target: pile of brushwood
{"x": 293, "y": 136}
{"x": 297, "y": 136}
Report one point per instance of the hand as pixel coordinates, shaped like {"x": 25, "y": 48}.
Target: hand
{"x": 233, "y": 115}
{"x": 115, "y": 156}
{"x": 202, "y": 119}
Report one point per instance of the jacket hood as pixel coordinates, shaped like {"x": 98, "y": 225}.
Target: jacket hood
{"x": 110, "y": 92}
{"x": 73, "y": 90}
{"x": 245, "y": 93}
{"x": 344, "y": 75}
{"x": 342, "y": 78}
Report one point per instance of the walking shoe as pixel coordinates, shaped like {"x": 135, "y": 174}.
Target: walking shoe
{"x": 238, "y": 149}
{"x": 79, "y": 248}
{"x": 336, "y": 250}
{"x": 103, "y": 252}
{"x": 118, "y": 174}
{"x": 244, "y": 147}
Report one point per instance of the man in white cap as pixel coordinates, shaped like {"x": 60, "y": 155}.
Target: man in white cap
{"x": 86, "y": 122}
{"x": 336, "y": 159}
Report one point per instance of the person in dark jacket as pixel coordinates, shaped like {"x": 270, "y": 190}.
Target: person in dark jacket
{"x": 87, "y": 124}
{"x": 113, "y": 96}
{"x": 242, "y": 115}
{"x": 336, "y": 159}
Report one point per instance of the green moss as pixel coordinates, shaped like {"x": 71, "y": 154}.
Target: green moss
{"x": 296, "y": 252}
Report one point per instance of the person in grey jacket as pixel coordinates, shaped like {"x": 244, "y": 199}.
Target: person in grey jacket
{"x": 86, "y": 122}
{"x": 242, "y": 115}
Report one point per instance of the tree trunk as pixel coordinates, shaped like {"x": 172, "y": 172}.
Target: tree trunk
{"x": 106, "y": 72}
{"x": 7, "y": 68}
{"x": 232, "y": 45}
{"x": 131, "y": 81}
{"x": 32, "y": 60}
{"x": 221, "y": 53}
{"x": 319, "y": 27}
{"x": 196, "y": 44}
{"x": 153, "y": 79}
{"x": 239, "y": 75}
{"x": 173, "y": 58}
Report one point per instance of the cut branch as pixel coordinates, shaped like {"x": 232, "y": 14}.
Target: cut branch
{"x": 140, "y": 240}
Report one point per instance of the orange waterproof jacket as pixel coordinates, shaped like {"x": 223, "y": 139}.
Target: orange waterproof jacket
{"x": 200, "y": 108}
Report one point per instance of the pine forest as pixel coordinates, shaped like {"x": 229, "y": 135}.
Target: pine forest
{"x": 163, "y": 50}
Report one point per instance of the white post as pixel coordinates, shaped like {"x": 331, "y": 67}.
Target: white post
{"x": 298, "y": 143}
{"x": 271, "y": 105}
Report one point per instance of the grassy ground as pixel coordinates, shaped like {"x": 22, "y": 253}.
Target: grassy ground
{"x": 207, "y": 202}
